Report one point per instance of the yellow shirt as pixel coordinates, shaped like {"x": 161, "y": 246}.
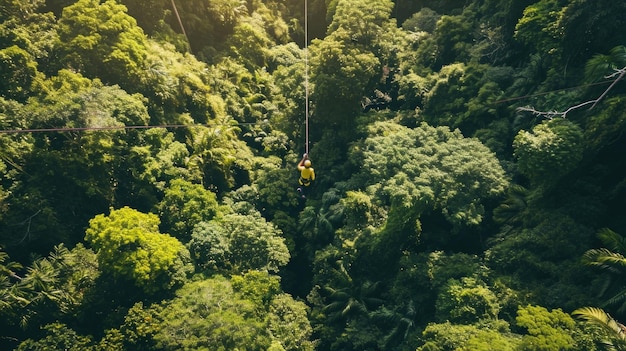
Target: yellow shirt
{"x": 307, "y": 175}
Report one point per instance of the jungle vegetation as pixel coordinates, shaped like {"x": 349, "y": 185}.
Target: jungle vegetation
{"x": 470, "y": 187}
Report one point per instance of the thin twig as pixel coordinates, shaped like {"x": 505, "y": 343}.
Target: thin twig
{"x": 27, "y": 220}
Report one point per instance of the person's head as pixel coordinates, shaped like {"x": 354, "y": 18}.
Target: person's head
{"x": 307, "y": 163}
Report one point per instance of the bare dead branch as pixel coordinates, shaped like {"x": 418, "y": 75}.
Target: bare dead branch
{"x": 27, "y": 221}
{"x": 618, "y": 75}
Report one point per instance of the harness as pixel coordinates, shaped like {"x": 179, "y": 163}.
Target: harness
{"x": 305, "y": 181}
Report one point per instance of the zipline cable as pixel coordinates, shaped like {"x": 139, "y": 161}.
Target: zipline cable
{"x": 552, "y": 91}
{"x": 85, "y": 129}
{"x": 172, "y": 126}
{"x": 306, "y": 77}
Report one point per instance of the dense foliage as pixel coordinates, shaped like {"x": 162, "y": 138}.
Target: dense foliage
{"x": 469, "y": 159}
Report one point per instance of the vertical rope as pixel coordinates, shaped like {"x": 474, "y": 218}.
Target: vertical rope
{"x": 182, "y": 28}
{"x": 306, "y": 77}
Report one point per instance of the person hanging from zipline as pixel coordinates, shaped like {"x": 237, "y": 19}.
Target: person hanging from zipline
{"x": 307, "y": 175}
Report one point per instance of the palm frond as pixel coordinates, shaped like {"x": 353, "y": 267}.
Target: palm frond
{"x": 597, "y": 67}
{"x": 514, "y": 205}
{"x": 605, "y": 259}
{"x": 618, "y": 299}
{"x": 612, "y": 240}
{"x": 618, "y": 55}
{"x": 384, "y": 315}
{"x": 614, "y": 336}
{"x": 58, "y": 254}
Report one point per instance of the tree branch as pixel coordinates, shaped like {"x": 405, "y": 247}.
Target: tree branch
{"x": 618, "y": 75}
{"x": 27, "y": 221}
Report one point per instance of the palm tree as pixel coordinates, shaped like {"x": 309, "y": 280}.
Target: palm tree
{"x": 7, "y": 274}
{"x": 512, "y": 210}
{"x": 315, "y": 224}
{"x": 8, "y": 269}
{"x": 612, "y": 66}
{"x": 599, "y": 66}
{"x": 612, "y": 333}
{"x": 610, "y": 259}
{"x": 351, "y": 299}
{"x": 399, "y": 322}
{"x": 23, "y": 297}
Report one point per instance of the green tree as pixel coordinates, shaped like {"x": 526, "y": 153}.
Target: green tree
{"x": 156, "y": 159}
{"x": 511, "y": 211}
{"x": 140, "y": 325}
{"x": 605, "y": 125}
{"x": 257, "y": 286}
{"x": 424, "y": 20}
{"x": 236, "y": 243}
{"x": 219, "y": 155}
{"x": 547, "y": 330}
{"x": 453, "y": 36}
{"x": 454, "y": 337}
{"x": 288, "y": 323}
{"x": 25, "y": 24}
{"x": 184, "y": 205}
{"x": 176, "y": 84}
{"x": 274, "y": 184}
{"x": 426, "y": 167}
{"x": 49, "y": 289}
{"x": 550, "y": 151}
{"x": 467, "y": 301}
{"x": 249, "y": 42}
{"x": 602, "y": 18}
{"x": 10, "y": 292}
{"x": 599, "y": 128}
{"x": 228, "y": 11}
{"x": 538, "y": 28}
{"x": 289, "y": 78}
{"x": 348, "y": 63}
{"x": 77, "y": 277}
{"x": 462, "y": 95}
{"x": 13, "y": 149}
{"x": 422, "y": 276}
{"x": 148, "y": 14}
{"x": 87, "y": 167}
{"x": 342, "y": 304}
{"x": 102, "y": 41}
{"x": 413, "y": 172}
{"x": 543, "y": 253}
{"x": 360, "y": 22}
{"x": 72, "y": 100}
{"x": 340, "y": 74}
{"x": 19, "y": 75}
{"x": 207, "y": 24}
{"x": 58, "y": 337}
{"x": 400, "y": 324}
{"x": 210, "y": 315}
{"x": 18, "y": 8}
{"x": 131, "y": 248}
{"x": 350, "y": 300}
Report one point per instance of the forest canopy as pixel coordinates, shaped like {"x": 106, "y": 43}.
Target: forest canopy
{"x": 469, "y": 189}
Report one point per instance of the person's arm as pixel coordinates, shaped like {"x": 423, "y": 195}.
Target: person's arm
{"x": 301, "y": 163}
